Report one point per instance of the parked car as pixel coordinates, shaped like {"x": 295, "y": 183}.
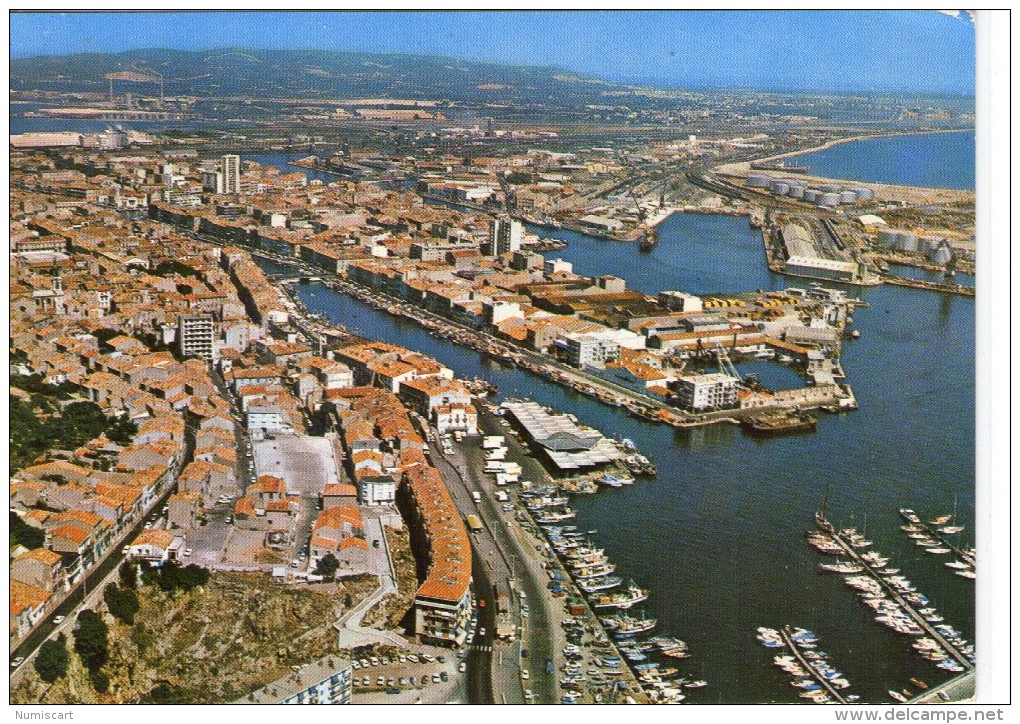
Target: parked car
{"x": 392, "y": 690}
{"x": 57, "y": 620}
{"x": 444, "y": 676}
{"x": 15, "y": 663}
{"x": 435, "y": 678}
{"x": 463, "y": 667}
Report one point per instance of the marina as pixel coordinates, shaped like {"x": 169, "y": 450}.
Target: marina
{"x": 896, "y": 601}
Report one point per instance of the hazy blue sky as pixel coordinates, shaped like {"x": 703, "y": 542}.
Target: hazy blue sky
{"x": 900, "y": 51}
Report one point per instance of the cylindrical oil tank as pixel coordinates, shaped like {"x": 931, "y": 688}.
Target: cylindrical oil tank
{"x": 811, "y": 195}
{"x": 780, "y": 187}
{"x": 796, "y": 192}
{"x": 889, "y": 237}
{"x": 758, "y": 181}
{"x": 941, "y": 254}
{"x": 908, "y": 241}
{"x": 828, "y": 199}
{"x": 829, "y": 188}
{"x": 848, "y": 197}
{"x": 864, "y": 194}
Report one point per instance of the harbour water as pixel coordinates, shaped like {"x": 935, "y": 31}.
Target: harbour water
{"x": 932, "y": 160}
{"x": 718, "y": 536}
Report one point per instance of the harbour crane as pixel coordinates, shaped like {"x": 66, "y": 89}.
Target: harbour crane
{"x": 725, "y": 365}
{"x": 509, "y": 197}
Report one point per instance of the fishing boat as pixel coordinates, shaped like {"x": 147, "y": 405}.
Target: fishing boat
{"x": 951, "y": 529}
{"x": 773, "y": 424}
{"x": 959, "y": 565}
{"x": 698, "y": 684}
{"x": 628, "y": 598}
{"x": 937, "y": 551}
{"x": 633, "y": 626}
{"x": 599, "y": 584}
{"x": 967, "y": 574}
{"x": 941, "y": 520}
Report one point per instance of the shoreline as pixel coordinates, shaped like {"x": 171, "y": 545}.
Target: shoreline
{"x": 743, "y": 168}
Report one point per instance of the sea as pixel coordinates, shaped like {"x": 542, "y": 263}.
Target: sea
{"x": 931, "y": 160}
{"x": 718, "y": 535}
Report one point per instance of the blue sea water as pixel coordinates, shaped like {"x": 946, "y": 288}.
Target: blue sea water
{"x": 932, "y": 160}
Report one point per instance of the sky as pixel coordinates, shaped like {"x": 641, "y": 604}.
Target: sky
{"x": 876, "y": 51}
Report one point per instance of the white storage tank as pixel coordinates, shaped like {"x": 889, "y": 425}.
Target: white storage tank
{"x": 848, "y": 197}
{"x": 828, "y": 199}
{"x": 907, "y": 241}
{"x": 942, "y": 253}
{"x": 889, "y": 237}
{"x": 758, "y": 181}
{"x": 780, "y": 188}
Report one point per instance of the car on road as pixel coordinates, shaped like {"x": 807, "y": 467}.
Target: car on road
{"x": 375, "y": 543}
{"x": 188, "y": 552}
{"x": 57, "y": 620}
{"x": 529, "y": 695}
{"x": 481, "y": 632}
{"x": 230, "y": 519}
{"x": 462, "y": 668}
{"x": 435, "y": 678}
{"x": 525, "y": 674}
{"x": 125, "y": 549}
{"x": 524, "y": 611}
{"x": 15, "y": 663}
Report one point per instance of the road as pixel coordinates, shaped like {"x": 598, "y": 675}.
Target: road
{"x": 67, "y": 607}
{"x": 509, "y": 552}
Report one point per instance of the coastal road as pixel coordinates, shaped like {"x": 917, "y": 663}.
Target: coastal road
{"x": 490, "y": 567}
{"x": 516, "y": 560}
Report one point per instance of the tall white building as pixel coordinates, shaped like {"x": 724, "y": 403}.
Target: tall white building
{"x": 231, "y": 174}
{"x": 507, "y": 235}
{"x": 704, "y": 392}
{"x": 196, "y": 336}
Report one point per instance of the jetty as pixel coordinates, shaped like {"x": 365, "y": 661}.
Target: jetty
{"x": 867, "y": 568}
{"x": 809, "y": 665}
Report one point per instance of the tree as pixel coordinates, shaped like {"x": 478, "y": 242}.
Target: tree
{"x": 21, "y": 532}
{"x": 52, "y": 659}
{"x": 129, "y": 574}
{"x": 327, "y": 566}
{"x": 100, "y": 681}
{"x": 122, "y": 603}
{"x": 91, "y": 639}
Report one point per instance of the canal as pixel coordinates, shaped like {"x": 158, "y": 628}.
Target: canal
{"x": 718, "y": 536}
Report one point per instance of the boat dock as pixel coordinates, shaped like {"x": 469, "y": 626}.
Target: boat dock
{"x": 809, "y": 666}
{"x": 932, "y": 532}
{"x": 830, "y": 530}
